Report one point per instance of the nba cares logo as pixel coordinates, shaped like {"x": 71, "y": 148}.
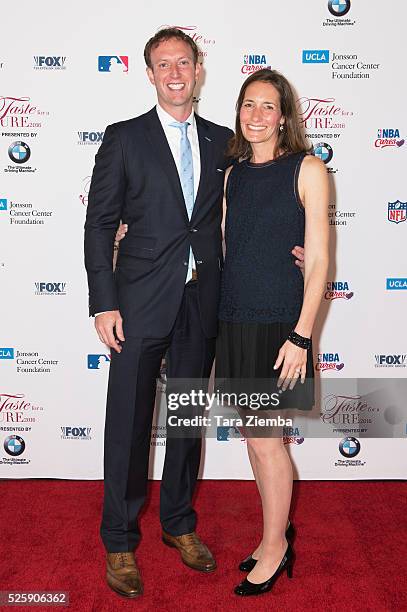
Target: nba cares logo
{"x": 329, "y": 361}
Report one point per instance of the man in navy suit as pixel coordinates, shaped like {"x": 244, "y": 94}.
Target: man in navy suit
{"x": 161, "y": 173}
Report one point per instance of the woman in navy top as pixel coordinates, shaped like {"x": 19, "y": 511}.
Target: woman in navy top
{"x": 276, "y": 196}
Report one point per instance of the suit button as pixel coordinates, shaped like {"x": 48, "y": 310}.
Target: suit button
{"x": 185, "y": 263}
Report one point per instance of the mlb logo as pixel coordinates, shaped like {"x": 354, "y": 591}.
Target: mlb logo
{"x": 98, "y": 362}
{"x": 113, "y": 63}
{"x": 223, "y": 434}
{"x": 3, "y": 204}
{"x": 397, "y": 211}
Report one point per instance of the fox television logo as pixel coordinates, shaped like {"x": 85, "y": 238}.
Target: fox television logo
{"x": 43, "y": 62}
{"x": 42, "y": 288}
{"x": 390, "y": 361}
{"x": 76, "y": 433}
{"x": 90, "y": 138}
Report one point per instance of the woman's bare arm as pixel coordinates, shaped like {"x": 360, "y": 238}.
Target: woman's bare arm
{"x": 314, "y": 193}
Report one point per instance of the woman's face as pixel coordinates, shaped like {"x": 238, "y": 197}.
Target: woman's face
{"x": 260, "y": 113}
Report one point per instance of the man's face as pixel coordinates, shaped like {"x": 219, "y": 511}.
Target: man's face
{"x": 173, "y": 73}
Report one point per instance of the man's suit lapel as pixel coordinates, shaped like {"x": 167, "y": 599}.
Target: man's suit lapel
{"x": 205, "y": 151}
{"x": 162, "y": 153}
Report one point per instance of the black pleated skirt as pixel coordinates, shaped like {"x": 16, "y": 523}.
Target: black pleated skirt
{"x": 245, "y": 356}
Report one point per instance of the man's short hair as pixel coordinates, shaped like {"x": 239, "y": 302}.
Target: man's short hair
{"x": 167, "y": 34}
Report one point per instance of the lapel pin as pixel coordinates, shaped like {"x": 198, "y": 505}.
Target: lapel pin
{"x": 206, "y": 138}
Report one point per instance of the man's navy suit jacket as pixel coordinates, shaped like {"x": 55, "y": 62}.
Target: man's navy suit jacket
{"x": 135, "y": 180}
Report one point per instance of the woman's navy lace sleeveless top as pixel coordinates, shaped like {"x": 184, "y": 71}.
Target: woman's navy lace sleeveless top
{"x": 265, "y": 220}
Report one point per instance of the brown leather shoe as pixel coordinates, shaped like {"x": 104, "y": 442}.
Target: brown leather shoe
{"x": 193, "y": 552}
{"x": 122, "y": 574}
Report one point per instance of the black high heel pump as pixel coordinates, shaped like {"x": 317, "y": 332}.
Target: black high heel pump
{"x": 286, "y": 565}
{"x": 248, "y": 564}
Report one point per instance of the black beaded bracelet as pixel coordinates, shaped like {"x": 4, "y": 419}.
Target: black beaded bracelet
{"x": 298, "y": 340}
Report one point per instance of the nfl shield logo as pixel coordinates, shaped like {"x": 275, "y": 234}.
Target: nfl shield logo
{"x": 397, "y": 211}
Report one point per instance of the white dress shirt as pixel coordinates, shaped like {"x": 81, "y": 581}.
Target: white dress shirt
{"x": 173, "y": 136}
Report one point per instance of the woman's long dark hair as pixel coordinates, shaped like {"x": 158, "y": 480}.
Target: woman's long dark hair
{"x": 291, "y": 138}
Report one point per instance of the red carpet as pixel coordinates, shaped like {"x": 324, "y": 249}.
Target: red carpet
{"x": 350, "y": 546}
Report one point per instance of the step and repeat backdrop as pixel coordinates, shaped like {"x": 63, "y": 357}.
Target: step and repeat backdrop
{"x": 78, "y": 67}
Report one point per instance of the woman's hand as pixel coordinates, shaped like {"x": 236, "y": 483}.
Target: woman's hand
{"x": 120, "y": 234}
{"x": 299, "y": 255}
{"x": 294, "y": 360}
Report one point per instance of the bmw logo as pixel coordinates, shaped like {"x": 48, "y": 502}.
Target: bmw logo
{"x": 324, "y": 152}
{"x": 349, "y": 447}
{"x": 14, "y": 445}
{"x": 339, "y": 8}
{"x": 19, "y": 152}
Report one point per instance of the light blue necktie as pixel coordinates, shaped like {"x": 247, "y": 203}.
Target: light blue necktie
{"x": 186, "y": 167}
{"x": 186, "y": 175}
